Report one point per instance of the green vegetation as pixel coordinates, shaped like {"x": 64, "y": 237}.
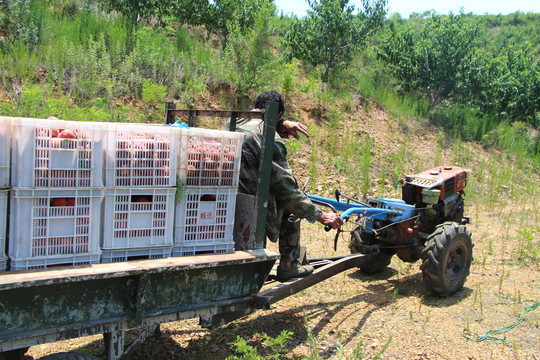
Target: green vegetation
{"x": 131, "y": 56}
{"x": 429, "y": 57}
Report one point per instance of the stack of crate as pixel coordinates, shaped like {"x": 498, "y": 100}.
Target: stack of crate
{"x": 56, "y": 194}
{"x": 208, "y": 168}
{"x": 5, "y": 136}
{"x": 140, "y": 180}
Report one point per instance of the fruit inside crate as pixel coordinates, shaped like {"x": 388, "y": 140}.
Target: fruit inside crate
{"x": 205, "y": 216}
{"x": 54, "y": 223}
{"x": 63, "y": 158}
{"x": 56, "y": 153}
{"x": 60, "y": 227}
{"x": 138, "y": 217}
{"x": 142, "y": 159}
{"x": 211, "y": 158}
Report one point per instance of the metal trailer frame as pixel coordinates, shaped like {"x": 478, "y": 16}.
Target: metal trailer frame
{"x": 47, "y": 305}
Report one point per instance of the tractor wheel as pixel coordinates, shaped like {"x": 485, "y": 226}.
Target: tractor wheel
{"x": 69, "y": 356}
{"x": 357, "y": 245}
{"x": 447, "y": 259}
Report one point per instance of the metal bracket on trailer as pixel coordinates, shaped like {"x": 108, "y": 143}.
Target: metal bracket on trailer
{"x": 324, "y": 268}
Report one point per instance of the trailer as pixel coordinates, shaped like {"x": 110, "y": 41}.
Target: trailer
{"x": 47, "y": 305}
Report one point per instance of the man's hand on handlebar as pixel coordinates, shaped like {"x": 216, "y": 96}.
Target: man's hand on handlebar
{"x": 331, "y": 219}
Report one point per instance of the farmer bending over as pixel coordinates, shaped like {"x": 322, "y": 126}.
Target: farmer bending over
{"x": 287, "y": 204}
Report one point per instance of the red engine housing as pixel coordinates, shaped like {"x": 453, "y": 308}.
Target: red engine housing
{"x": 448, "y": 179}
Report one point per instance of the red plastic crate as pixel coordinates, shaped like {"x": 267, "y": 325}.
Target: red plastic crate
{"x": 210, "y": 157}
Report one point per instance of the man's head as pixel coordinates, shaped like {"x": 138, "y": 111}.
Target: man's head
{"x": 274, "y": 96}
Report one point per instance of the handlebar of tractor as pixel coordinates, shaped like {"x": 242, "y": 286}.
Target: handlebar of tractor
{"x": 349, "y": 208}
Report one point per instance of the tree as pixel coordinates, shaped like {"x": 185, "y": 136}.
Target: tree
{"x": 331, "y": 32}
{"x": 431, "y": 56}
{"x": 249, "y": 50}
{"x": 214, "y": 15}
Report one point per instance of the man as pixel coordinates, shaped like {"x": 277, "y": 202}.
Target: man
{"x": 287, "y": 204}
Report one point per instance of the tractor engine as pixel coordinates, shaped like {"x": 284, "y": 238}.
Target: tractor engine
{"x": 438, "y": 196}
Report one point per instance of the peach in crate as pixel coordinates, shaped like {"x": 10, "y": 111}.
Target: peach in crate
{"x": 210, "y": 157}
{"x": 138, "y": 218}
{"x": 141, "y": 155}
{"x": 56, "y": 153}
{"x": 205, "y": 216}
{"x": 51, "y": 227}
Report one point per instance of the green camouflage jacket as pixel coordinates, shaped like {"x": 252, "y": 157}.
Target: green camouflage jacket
{"x": 284, "y": 192}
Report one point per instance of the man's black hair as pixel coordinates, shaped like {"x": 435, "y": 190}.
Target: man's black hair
{"x": 266, "y": 96}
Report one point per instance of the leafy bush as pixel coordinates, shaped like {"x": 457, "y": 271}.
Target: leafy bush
{"x": 153, "y": 93}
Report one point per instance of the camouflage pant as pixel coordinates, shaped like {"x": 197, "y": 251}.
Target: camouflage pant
{"x": 289, "y": 237}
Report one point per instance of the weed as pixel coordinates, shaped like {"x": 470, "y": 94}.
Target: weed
{"x": 383, "y": 350}
{"x": 275, "y": 346}
{"x": 426, "y": 321}
{"x": 357, "y": 352}
{"x": 312, "y": 342}
{"x": 528, "y": 249}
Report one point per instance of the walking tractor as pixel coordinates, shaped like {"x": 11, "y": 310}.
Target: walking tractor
{"x": 427, "y": 224}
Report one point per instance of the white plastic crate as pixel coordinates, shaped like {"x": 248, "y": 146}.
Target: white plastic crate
{"x": 205, "y": 216}
{"x": 138, "y": 218}
{"x": 141, "y": 155}
{"x": 57, "y": 260}
{"x": 5, "y": 144}
{"x": 210, "y": 157}
{"x": 3, "y": 219}
{"x": 109, "y": 256}
{"x": 57, "y": 153}
{"x": 52, "y": 227}
{"x": 203, "y": 249}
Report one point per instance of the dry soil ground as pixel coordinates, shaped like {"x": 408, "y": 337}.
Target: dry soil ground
{"x": 390, "y": 315}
